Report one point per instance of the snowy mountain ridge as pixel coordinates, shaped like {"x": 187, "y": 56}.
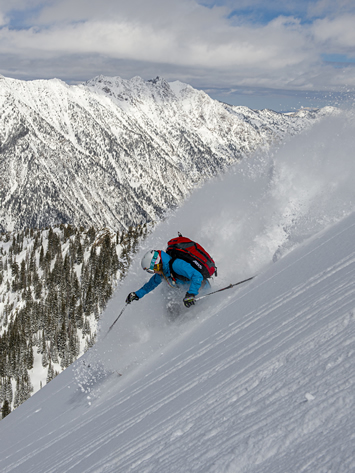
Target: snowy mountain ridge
{"x": 114, "y": 152}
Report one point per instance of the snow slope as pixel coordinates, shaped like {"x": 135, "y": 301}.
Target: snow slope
{"x": 258, "y": 379}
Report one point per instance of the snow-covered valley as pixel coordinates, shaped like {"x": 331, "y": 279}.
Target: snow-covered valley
{"x": 256, "y": 379}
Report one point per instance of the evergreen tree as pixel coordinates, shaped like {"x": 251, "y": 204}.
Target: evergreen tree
{"x": 54, "y": 303}
{"x": 29, "y": 355}
{"x": 79, "y": 316}
{"x": 50, "y": 373}
{"x": 86, "y": 328}
{"x": 22, "y": 282}
{"x": 53, "y": 351}
{"x": 45, "y": 359}
{"x": 41, "y": 258}
{"x": 14, "y": 269}
{"x": 62, "y": 340}
{"x": 6, "y": 409}
{"x": 8, "y": 390}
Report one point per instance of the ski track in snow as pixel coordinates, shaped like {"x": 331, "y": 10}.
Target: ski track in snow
{"x": 258, "y": 379}
{"x": 267, "y": 383}
{"x": 237, "y": 394}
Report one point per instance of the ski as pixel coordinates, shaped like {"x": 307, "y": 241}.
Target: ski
{"x": 224, "y": 288}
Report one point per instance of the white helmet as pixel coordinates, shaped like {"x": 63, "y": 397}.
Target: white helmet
{"x": 149, "y": 260}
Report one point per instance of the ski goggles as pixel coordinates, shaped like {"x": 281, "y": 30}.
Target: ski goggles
{"x": 154, "y": 264}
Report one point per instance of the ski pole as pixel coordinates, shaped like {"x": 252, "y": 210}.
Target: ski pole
{"x": 119, "y": 315}
{"x": 224, "y": 288}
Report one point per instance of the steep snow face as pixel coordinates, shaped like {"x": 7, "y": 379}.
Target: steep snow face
{"x": 115, "y": 152}
{"x": 253, "y": 380}
{"x": 248, "y": 220}
{"x": 262, "y": 384}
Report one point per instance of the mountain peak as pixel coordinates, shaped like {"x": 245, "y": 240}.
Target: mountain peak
{"x": 115, "y": 152}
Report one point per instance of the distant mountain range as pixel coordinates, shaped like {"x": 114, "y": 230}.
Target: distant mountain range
{"x": 114, "y": 152}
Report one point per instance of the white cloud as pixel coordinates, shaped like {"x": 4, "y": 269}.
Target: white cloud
{"x": 337, "y": 35}
{"x": 185, "y": 36}
{"x": 3, "y": 21}
{"x": 177, "y": 39}
{"x": 330, "y": 8}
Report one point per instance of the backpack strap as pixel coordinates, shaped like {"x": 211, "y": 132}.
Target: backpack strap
{"x": 174, "y": 274}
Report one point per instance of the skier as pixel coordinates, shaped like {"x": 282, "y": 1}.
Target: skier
{"x": 176, "y": 272}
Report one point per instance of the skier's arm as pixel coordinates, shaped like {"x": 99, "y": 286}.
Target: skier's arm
{"x": 185, "y": 269}
{"x": 153, "y": 282}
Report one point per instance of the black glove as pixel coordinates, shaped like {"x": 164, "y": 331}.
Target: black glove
{"x": 132, "y": 296}
{"x": 189, "y": 300}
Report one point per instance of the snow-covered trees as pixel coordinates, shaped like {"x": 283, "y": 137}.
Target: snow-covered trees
{"x": 54, "y": 284}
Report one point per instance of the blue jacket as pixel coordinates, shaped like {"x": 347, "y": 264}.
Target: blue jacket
{"x": 180, "y": 267}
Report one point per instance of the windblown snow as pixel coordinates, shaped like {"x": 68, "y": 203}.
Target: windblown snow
{"x": 256, "y": 379}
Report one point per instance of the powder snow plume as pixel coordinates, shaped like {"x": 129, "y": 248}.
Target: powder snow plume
{"x": 246, "y": 219}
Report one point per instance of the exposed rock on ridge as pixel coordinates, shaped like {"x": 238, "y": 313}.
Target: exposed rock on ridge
{"x": 113, "y": 152}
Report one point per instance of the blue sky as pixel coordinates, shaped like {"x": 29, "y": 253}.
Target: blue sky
{"x": 276, "y": 54}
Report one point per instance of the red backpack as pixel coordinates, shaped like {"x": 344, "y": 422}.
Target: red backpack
{"x": 193, "y": 253}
